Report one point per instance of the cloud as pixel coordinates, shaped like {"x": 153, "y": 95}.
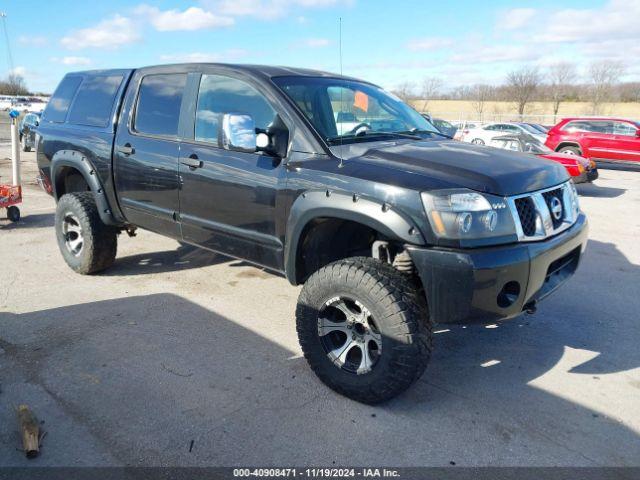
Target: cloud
{"x": 33, "y": 41}
{"x": 429, "y": 43}
{"x": 72, "y": 60}
{"x": 20, "y": 70}
{"x": 316, "y": 42}
{"x": 516, "y": 18}
{"x": 618, "y": 19}
{"x": 193, "y": 18}
{"x": 109, "y": 34}
{"x": 268, "y": 9}
{"x": 204, "y": 57}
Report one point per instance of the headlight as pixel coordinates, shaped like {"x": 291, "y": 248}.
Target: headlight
{"x": 465, "y": 215}
{"x": 573, "y": 196}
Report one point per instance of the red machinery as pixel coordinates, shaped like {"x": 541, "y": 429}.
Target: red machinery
{"x": 10, "y": 196}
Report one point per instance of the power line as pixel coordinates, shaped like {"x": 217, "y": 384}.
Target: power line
{"x": 6, "y": 37}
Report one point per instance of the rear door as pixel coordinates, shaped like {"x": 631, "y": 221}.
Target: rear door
{"x": 228, "y": 199}
{"x": 146, "y": 150}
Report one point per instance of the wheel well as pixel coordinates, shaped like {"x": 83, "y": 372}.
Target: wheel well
{"x": 568, "y": 144}
{"x": 327, "y": 239}
{"x": 70, "y": 180}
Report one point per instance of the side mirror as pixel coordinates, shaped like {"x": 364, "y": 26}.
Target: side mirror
{"x": 638, "y": 133}
{"x": 238, "y": 132}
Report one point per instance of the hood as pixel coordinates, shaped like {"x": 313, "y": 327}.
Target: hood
{"x": 452, "y": 164}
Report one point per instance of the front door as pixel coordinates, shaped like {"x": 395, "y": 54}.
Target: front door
{"x": 146, "y": 153}
{"x": 627, "y": 141}
{"x": 229, "y": 199}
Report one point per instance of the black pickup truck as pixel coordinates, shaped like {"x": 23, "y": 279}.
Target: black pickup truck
{"x": 390, "y": 225}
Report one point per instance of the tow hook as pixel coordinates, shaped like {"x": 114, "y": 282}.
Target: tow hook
{"x": 530, "y": 308}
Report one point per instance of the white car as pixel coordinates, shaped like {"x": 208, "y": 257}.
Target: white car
{"x": 483, "y": 134}
{"x": 5, "y": 102}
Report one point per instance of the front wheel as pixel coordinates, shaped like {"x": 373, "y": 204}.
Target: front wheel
{"x": 23, "y": 144}
{"x": 364, "y": 329}
{"x": 86, "y": 243}
{"x": 477, "y": 141}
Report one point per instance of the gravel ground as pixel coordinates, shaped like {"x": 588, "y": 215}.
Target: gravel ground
{"x": 182, "y": 357}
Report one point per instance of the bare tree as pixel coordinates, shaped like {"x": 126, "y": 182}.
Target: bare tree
{"x": 603, "y": 76}
{"x": 480, "y": 94}
{"x": 405, "y": 91}
{"x": 522, "y": 85}
{"x": 560, "y": 76}
{"x": 14, "y": 84}
{"x": 430, "y": 88}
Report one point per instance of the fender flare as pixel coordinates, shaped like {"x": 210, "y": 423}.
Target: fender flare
{"x": 375, "y": 214}
{"x": 78, "y": 161}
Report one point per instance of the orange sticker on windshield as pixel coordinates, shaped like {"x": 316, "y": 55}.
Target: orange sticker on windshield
{"x": 361, "y": 101}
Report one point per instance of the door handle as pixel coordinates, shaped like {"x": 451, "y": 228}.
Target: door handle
{"x": 126, "y": 149}
{"x": 192, "y": 161}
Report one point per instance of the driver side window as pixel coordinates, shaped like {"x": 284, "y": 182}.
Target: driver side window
{"x": 219, "y": 95}
{"x": 353, "y": 107}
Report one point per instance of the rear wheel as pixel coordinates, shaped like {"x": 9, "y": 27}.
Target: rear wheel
{"x": 570, "y": 150}
{"x": 86, "y": 243}
{"x": 364, "y": 329}
{"x": 477, "y": 141}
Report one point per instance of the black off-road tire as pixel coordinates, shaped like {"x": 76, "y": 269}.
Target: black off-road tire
{"x": 400, "y": 314}
{"x": 100, "y": 241}
{"x": 570, "y": 150}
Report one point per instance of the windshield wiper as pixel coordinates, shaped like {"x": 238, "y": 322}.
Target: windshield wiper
{"x": 371, "y": 134}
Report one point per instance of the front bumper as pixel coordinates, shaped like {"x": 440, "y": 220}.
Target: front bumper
{"x": 499, "y": 282}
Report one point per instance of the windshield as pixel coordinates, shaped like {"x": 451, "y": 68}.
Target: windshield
{"x": 350, "y": 111}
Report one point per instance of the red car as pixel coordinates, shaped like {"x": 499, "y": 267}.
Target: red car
{"x": 600, "y": 139}
{"x": 581, "y": 169}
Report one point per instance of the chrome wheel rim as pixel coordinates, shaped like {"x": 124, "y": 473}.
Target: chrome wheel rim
{"x": 349, "y": 335}
{"x": 72, "y": 233}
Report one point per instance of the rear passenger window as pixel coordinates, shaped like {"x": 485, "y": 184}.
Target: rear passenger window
{"x": 94, "y": 102}
{"x": 159, "y": 100}
{"x": 219, "y": 95}
{"x": 58, "y": 106}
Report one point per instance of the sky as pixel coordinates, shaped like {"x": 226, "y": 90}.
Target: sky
{"x": 383, "y": 41}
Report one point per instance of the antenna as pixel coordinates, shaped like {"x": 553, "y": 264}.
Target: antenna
{"x": 6, "y": 36}
{"x": 341, "y": 88}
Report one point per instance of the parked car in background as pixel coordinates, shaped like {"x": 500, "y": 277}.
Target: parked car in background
{"x": 5, "y": 102}
{"x": 441, "y": 125}
{"x": 600, "y": 139}
{"x": 581, "y": 169}
{"x": 484, "y": 133}
{"x": 537, "y": 126}
{"x": 444, "y": 127}
{"x": 27, "y": 129}
{"x": 462, "y": 128}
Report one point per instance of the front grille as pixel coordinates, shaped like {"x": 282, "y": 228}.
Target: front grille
{"x": 543, "y": 213}
{"x": 551, "y": 197}
{"x": 527, "y": 214}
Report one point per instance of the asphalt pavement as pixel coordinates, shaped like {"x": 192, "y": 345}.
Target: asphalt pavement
{"x": 181, "y": 357}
